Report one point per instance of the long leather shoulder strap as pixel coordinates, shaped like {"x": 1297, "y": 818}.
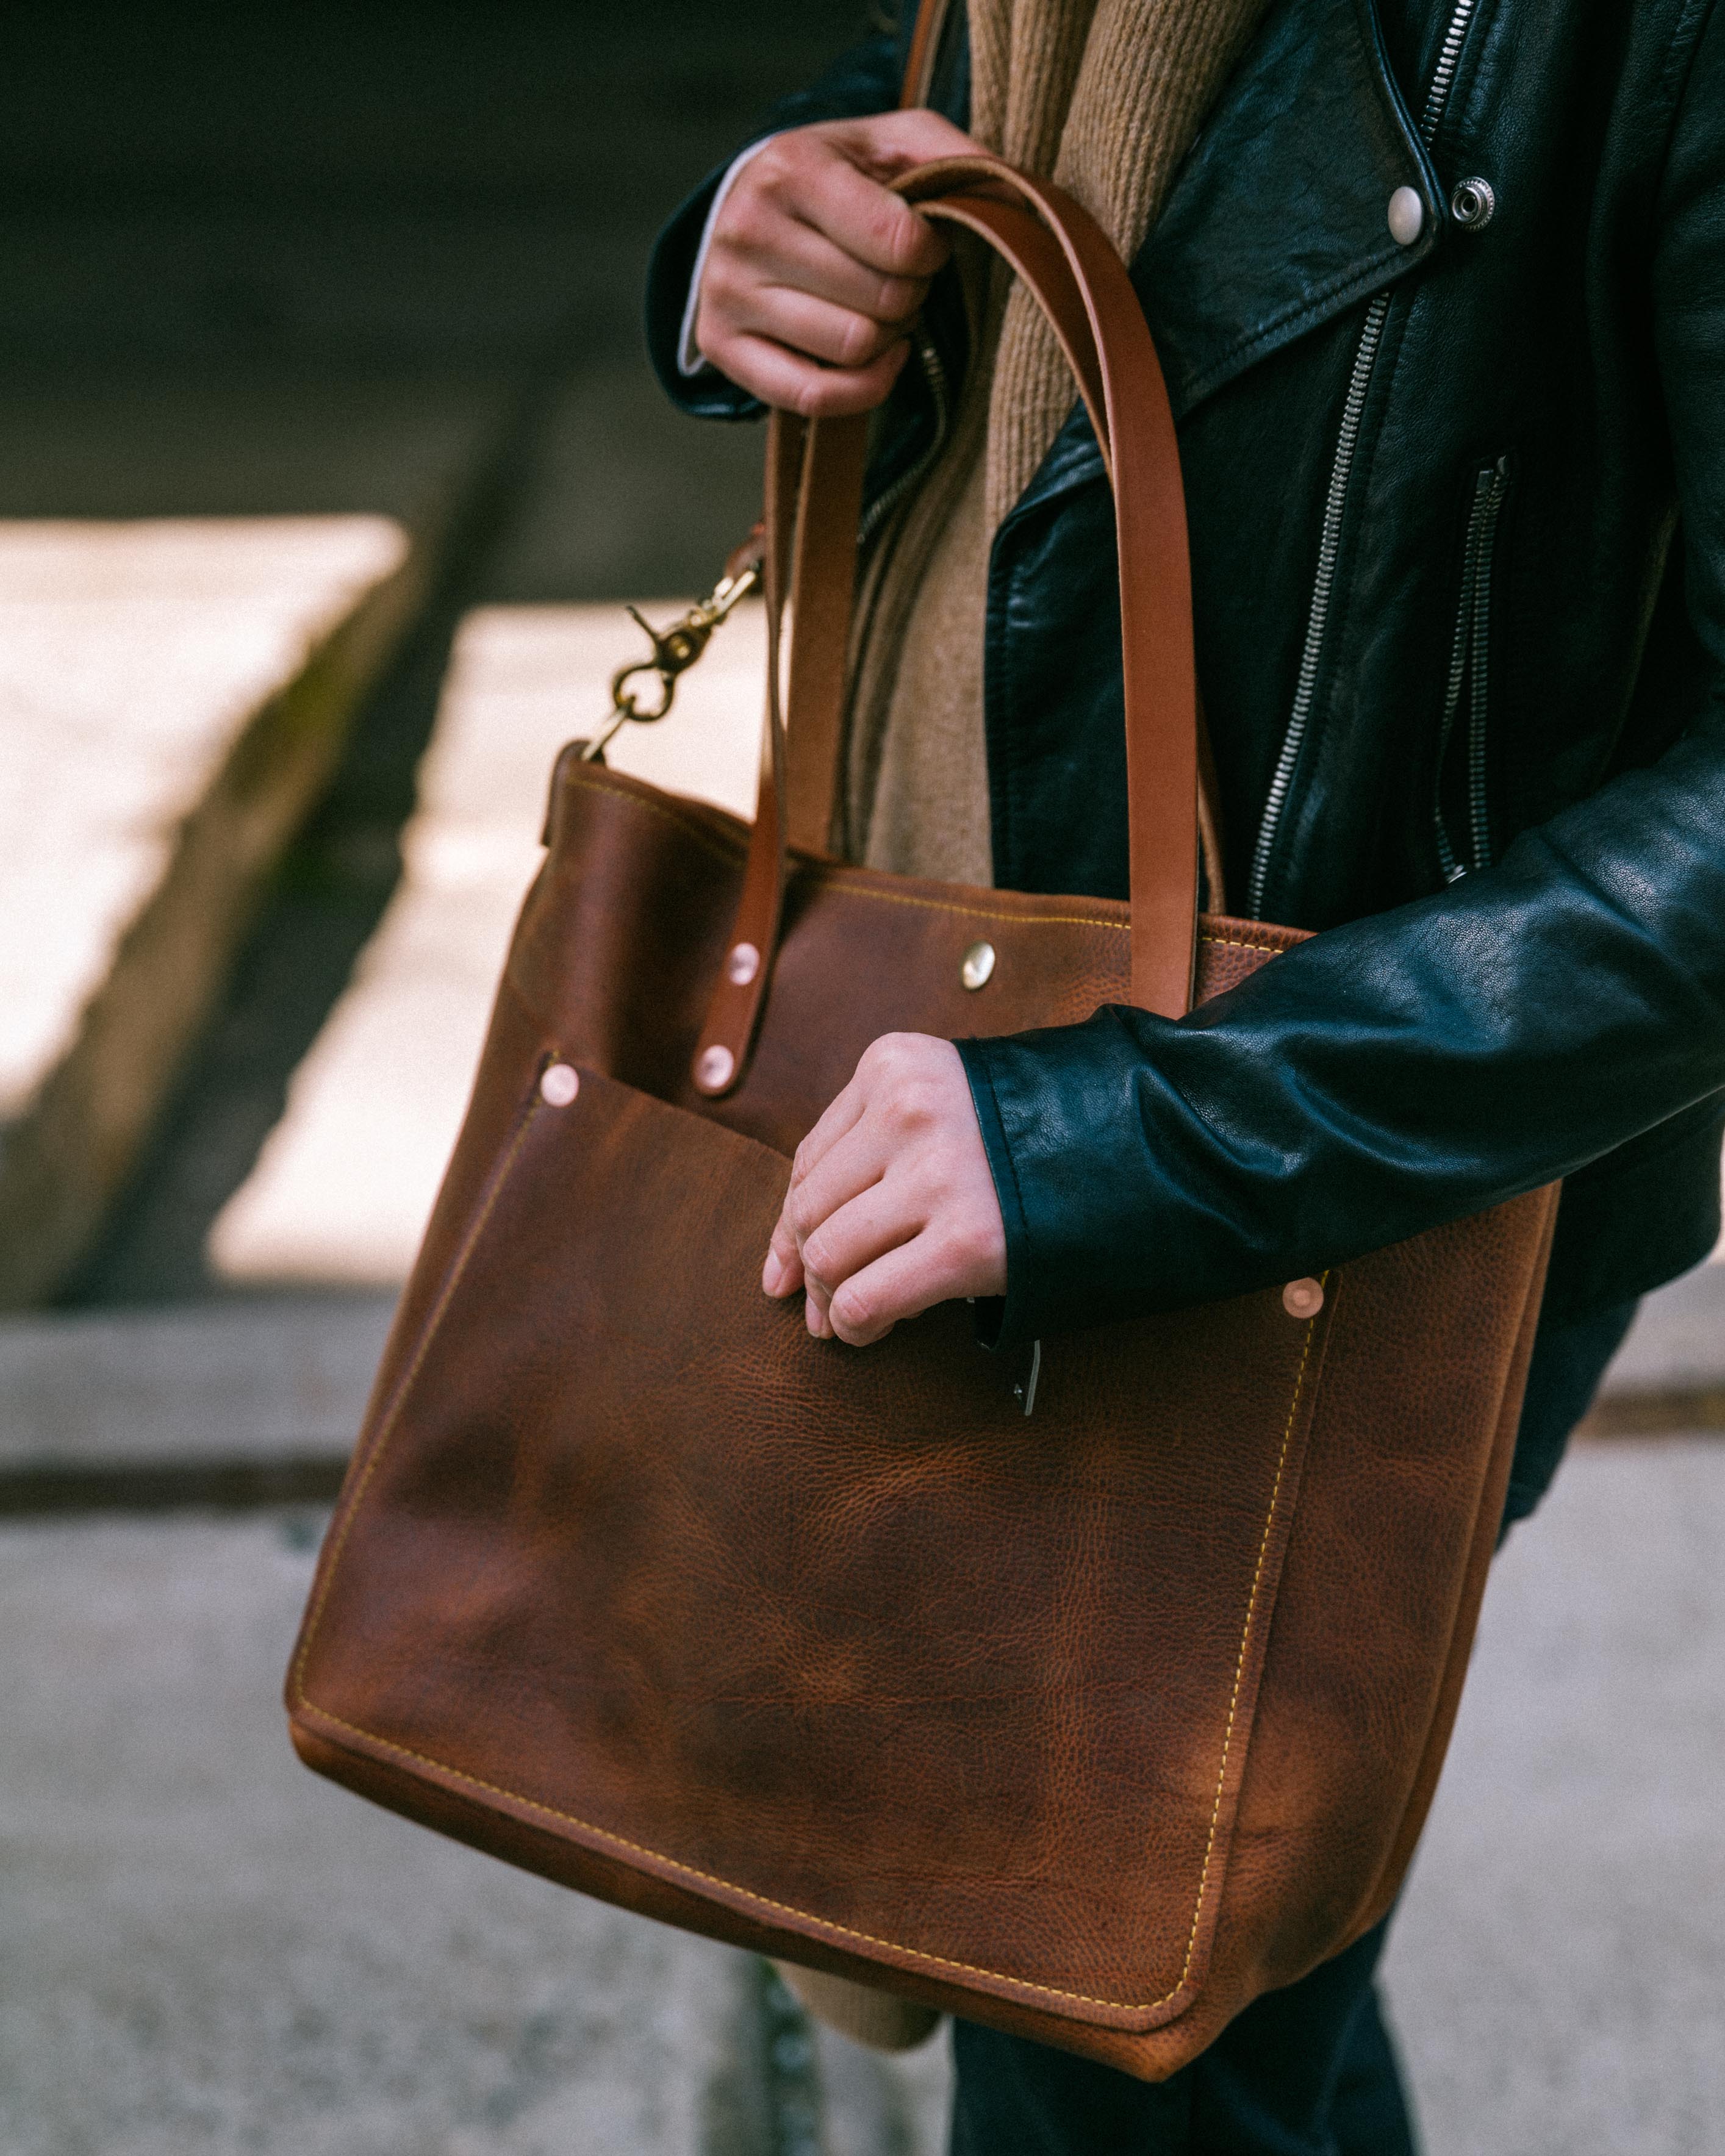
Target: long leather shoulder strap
{"x": 924, "y": 51}
{"x": 829, "y": 504}
{"x": 1068, "y": 264}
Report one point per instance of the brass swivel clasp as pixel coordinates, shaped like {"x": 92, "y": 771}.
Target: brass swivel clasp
{"x": 674, "y": 650}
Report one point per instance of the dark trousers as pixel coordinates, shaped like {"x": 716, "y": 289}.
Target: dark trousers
{"x": 1309, "y": 2070}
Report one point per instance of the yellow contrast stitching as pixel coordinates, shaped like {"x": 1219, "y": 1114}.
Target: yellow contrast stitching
{"x": 988, "y": 913}
{"x": 1287, "y": 1439}
{"x": 733, "y": 853}
{"x": 724, "y": 849}
{"x": 712, "y": 1878}
{"x": 1244, "y": 943}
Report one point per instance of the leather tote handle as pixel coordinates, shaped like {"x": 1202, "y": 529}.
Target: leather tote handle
{"x": 814, "y": 477}
{"x": 924, "y": 51}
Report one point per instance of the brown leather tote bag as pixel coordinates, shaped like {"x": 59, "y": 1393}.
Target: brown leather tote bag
{"x": 1092, "y": 1725}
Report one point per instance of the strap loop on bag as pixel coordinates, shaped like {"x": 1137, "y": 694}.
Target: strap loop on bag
{"x": 1072, "y": 271}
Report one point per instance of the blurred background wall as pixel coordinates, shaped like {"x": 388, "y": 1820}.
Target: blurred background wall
{"x": 314, "y": 262}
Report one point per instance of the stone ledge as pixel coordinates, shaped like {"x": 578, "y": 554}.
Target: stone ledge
{"x": 222, "y": 1404}
{"x": 176, "y": 689}
{"x": 244, "y": 782}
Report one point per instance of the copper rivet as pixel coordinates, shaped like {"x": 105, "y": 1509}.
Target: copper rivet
{"x": 713, "y": 1067}
{"x": 1303, "y": 1298}
{"x": 559, "y": 1086}
{"x": 978, "y": 965}
{"x": 742, "y": 962}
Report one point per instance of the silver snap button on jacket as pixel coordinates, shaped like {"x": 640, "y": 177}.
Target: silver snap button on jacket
{"x": 1407, "y": 216}
{"x": 1472, "y": 203}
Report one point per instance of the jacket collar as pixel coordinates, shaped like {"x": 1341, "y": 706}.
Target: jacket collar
{"x": 1279, "y": 217}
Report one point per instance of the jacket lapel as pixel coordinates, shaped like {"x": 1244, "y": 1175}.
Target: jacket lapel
{"x": 1279, "y": 218}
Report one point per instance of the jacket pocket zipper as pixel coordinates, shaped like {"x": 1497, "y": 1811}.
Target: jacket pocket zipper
{"x": 1470, "y": 679}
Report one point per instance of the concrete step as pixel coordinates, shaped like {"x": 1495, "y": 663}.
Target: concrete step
{"x": 174, "y": 690}
{"x": 237, "y": 1403}
{"x": 255, "y": 1399}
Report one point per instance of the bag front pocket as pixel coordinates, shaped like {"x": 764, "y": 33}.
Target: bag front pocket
{"x": 834, "y": 1637}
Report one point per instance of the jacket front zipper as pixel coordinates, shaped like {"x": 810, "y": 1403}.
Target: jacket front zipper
{"x": 934, "y": 375}
{"x": 1470, "y": 672}
{"x": 1335, "y": 500}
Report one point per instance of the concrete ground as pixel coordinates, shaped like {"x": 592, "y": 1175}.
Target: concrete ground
{"x": 208, "y": 1948}
{"x": 1557, "y": 1969}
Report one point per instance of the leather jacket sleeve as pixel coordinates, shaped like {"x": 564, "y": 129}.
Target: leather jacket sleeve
{"x": 1425, "y": 1063}
{"x": 864, "y": 81}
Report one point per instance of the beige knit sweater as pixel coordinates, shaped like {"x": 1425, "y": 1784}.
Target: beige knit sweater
{"x": 1105, "y": 96}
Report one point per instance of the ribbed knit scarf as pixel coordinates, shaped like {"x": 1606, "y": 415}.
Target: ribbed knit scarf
{"x": 1104, "y": 96}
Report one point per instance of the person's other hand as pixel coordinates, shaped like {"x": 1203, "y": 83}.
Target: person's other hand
{"x": 891, "y": 1207}
{"x": 814, "y": 268}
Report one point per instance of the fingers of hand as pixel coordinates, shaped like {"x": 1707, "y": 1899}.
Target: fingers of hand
{"x": 901, "y": 1283}
{"x": 783, "y": 1272}
{"x": 839, "y": 336}
{"x": 812, "y": 178}
{"x": 821, "y": 1216}
{"x": 815, "y": 267}
{"x": 757, "y": 251}
{"x": 889, "y": 143}
{"x": 842, "y": 1115}
{"x": 853, "y": 1235}
{"x": 863, "y": 1132}
{"x": 788, "y": 382}
{"x": 892, "y": 1206}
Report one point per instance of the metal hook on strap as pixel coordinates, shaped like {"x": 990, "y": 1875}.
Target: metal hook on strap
{"x": 674, "y": 650}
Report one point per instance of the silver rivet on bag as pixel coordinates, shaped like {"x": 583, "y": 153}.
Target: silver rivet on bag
{"x": 713, "y": 1067}
{"x": 1472, "y": 204}
{"x": 560, "y": 1084}
{"x": 978, "y": 965}
{"x": 1303, "y": 1298}
{"x": 742, "y": 962}
{"x": 1407, "y": 216}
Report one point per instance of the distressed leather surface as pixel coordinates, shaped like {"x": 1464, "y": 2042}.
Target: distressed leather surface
{"x": 1093, "y": 1724}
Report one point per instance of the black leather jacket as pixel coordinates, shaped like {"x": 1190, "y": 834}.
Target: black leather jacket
{"x": 1458, "y": 530}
